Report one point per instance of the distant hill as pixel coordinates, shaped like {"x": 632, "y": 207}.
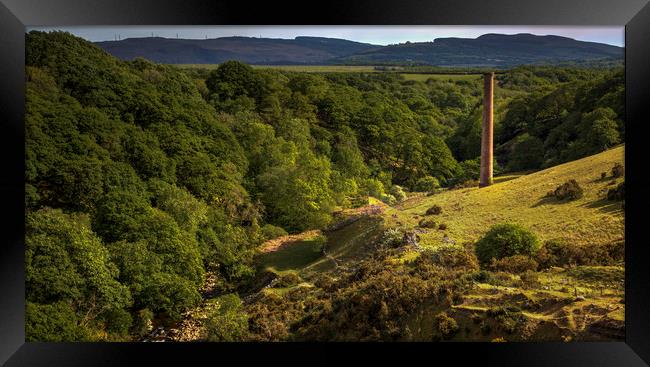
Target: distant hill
{"x": 496, "y": 50}
{"x": 301, "y": 50}
{"x": 489, "y": 50}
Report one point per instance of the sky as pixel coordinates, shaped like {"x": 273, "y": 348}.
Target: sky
{"x": 379, "y": 35}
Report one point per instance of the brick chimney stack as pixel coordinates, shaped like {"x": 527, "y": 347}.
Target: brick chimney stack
{"x": 487, "y": 130}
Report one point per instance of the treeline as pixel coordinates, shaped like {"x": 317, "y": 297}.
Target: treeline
{"x": 140, "y": 177}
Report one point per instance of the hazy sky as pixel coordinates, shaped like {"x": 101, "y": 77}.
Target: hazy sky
{"x": 380, "y": 35}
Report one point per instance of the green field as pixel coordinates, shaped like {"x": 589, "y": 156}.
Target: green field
{"x": 441, "y": 77}
{"x": 297, "y": 68}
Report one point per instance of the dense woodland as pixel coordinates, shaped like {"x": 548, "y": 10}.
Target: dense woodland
{"x": 141, "y": 178}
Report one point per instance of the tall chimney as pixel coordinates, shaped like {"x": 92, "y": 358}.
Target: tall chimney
{"x": 487, "y": 130}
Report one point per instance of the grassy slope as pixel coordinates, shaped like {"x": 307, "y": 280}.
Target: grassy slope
{"x": 468, "y": 213}
{"x": 519, "y": 198}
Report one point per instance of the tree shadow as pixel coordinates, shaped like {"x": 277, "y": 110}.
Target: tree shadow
{"x": 605, "y": 206}
{"x": 605, "y": 179}
{"x": 548, "y": 200}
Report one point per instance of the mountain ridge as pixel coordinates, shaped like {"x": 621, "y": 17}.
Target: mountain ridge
{"x": 490, "y": 49}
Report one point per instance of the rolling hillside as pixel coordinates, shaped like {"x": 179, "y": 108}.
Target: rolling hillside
{"x": 497, "y": 50}
{"x": 489, "y": 50}
{"x": 559, "y": 303}
{"x": 468, "y": 213}
{"x": 301, "y": 50}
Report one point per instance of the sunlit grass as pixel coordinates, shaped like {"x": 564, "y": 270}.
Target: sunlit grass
{"x": 469, "y": 213}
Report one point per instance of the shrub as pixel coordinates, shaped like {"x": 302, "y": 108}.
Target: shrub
{"x": 617, "y": 193}
{"x": 288, "y": 280}
{"x": 388, "y": 199}
{"x": 427, "y": 223}
{"x": 569, "y": 190}
{"x": 529, "y": 279}
{"x": 454, "y": 257}
{"x": 509, "y": 318}
{"x": 142, "y": 323}
{"x": 503, "y": 240}
{"x": 270, "y": 231}
{"x": 618, "y": 170}
{"x": 603, "y": 175}
{"x": 427, "y": 184}
{"x": 55, "y": 322}
{"x": 434, "y": 210}
{"x": 559, "y": 253}
{"x": 228, "y": 321}
{"x": 446, "y": 325}
{"x": 442, "y": 226}
{"x": 398, "y": 193}
{"x": 514, "y": 264}
{"x": 392, "y": 237}
{"x": 466, "y": 184}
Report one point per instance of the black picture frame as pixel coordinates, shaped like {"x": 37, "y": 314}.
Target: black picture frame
{"x": 15, "y": 15}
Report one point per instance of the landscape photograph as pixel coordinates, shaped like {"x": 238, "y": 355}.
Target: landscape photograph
{"x": 324, "y": 184}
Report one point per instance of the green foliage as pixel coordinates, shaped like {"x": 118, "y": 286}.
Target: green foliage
{"x": 445, "y": 325}
{"x": 270, "y": 231}
{"x": 66, "y": 262}
{"x": 602, "y": 129}
{"x": 142, "y": 323}
{"x": 452, "y": 257}
{"x": 392, "y": 237}
{"x": 228, "y": 321}
{"x": 427, "y": 184}
{"x": 119, "y": 215}
{"x": 503, "y": 240}
{"x": 557, "y": 252}
{"x": 158, "y": 174}
{"x": 56, "y": 322}
{"x": 398, "y": 193}
{"x": 514, "y": 264}
{"x": 527, "y": 153}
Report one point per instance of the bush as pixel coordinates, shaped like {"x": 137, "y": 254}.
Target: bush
{"x": 503, "y": 240}
{"x": 434, "y": 210}
{"x": 427, "y": 223}
{"x": 509, "y": 318}
{"x": 559, "y": 253}
{"x": 392, "y": 237}
{"x": 55, "y": 322}
{"x": 228, "y": 321}
{"x": 514, "y": 264}
{"x": 603, "y": 175}
{"x": 617, "y": 193}
{"x": 287, "y": 280}
{"x": 569, "y": 190}
{"x": 446, "y": 325}
{"x": 454, "y": 257}
{"x": 427, "y": 184}
{"x": 142, "y": 324}
{"x": 270, "y": 232}
{"x": 388, "y": 199}
{"x": 618, "y": 170}
{"x": 530, "y": 279}
{"x": 398, "y": 193}
{"x": 442, "y": 226}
